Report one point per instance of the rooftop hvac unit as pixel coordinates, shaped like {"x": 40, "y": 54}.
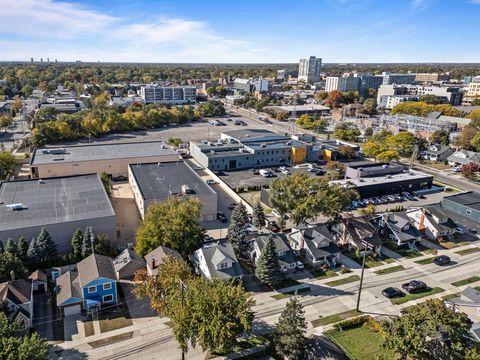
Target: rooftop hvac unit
{"x": 289, "y": 143}
{"x": 205, "y": 142}
{"x": 212, "y": 152}
{"x": 12, "y": 207}
{"x": 263, "y": 145}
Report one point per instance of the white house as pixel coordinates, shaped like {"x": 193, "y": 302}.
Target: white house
{"x": 217, "y": 260}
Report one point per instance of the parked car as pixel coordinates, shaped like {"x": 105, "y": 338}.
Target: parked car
{"x": 460, "y": 230}
{"x": 414, "y": 286}
{"x": 272, "y": 226}
{"x": 266, "y": 173}
{"x": 442, "y": 260}
{"x": 254, "y": 171}
{"x": 286, "y": 172}
{"x": 211, "y": 182}
{"x": 299, "y": 265}
{"x": 221, "y": 217}
{"x": 392, "y": 292}
{"x": 275, "y": 213}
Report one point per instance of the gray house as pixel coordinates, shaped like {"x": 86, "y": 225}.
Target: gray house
{"x": 315, "y": 244}
{"x": 462, "y": 157}
{"x": 217, "y": 260}
{"x": 397, "y": 227}
{"x": 437, "y": 152}
{"x": 127, "y": 263}
{"x": 286, "y": 256}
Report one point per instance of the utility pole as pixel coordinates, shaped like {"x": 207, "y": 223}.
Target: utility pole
{"x": 183, "y": 289}
{"x": 365, "y": 244}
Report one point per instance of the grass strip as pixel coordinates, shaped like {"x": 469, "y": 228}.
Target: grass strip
{"x": 425, "y": 261}
{"x": 389, "y": 270}
{"x": 466, "y": 281}
{"x": 290, "y": 293}
{"x": 346, "y": 280}
{"x": 408, "y": 297}
{"x": 331, "y": 319}
{"x": 468, "y": 251}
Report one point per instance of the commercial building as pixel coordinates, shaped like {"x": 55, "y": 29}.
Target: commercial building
{"x": 398, "y": 78}
{"x": 369, "y": 82}
{"x": 60, "y": 204}
{"x": 465, "y": 204}
{"x": 252, "y": 148}
{"x": 395, "y": 183}
{"x": 157, "y": 181}
{"x": 250, "y": 85}
{"x": 389, "y": 102}
{"x": 473, "y": 90}
{"x": 309, "y": 69}
{"x": 426, "y": 77}
{"x": 342, "y": 83}
{"x": 448, "y": 95}
{"x": 174, "y": 95}
{"x": 112, "y": 159}
{"x": 363, "y": 169}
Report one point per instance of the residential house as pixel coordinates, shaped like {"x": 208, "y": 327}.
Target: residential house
{"x": 217, "y": 260}
{"x": 155, "y": 257}
{"x": 462, "y": 157}
{"x": 127, "y": 263}
{"x": 286, "y": 256}
{"x": 16, "y": 298}
{"x": 469, "y": 303}
{"x": 397, "y": 227}
{"x": 357, "y": 233}
{"x": 92, "y": 286}
{"x": 437, "y": 152}
{"x": 433, "y": 221}
{"x": 315, "y": 244}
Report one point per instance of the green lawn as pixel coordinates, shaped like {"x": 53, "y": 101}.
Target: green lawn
{"x": 468, "y": 251}
{"x": 389, "y": 270}
{"x": 466, "y": 281}
{"x": 408, "y": 297}
{"x": 287, "y": 282}
{"x": 477, "y": 288}
{"x": 360, "y": 343}
{"x": 320, "y": 274}
{"x": 290, "y": 293}
{"x": 409, "y": 254}
{"x": 425, "y": 261}
{"x": 114, "y": 322}
{"x": 373, "y": 263}
{"x": 450, "y": 296}
{"x": 343, "y": 281}
{"x": 388, "y": 260}
{"x": 325, "y": 320}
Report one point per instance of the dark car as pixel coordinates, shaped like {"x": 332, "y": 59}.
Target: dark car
{"x": 221, "y": 217}
{"x": 120, "y": 178}
{"x": 272, "y": 226}
{"x": 414, "y": 286}
{"x": 392, "y": 292}
{"x": 442, "y": 260}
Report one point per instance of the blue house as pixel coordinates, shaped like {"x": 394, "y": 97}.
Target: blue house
{"x": 92, "y": 286}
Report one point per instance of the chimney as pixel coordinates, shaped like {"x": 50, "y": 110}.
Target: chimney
{"x": 12, "y": 275}
{"x": 153, "y": 264}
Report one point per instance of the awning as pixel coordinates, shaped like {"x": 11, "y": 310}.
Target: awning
{"x": 91, "y": 303}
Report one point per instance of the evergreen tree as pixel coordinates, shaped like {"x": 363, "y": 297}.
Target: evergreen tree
{"x": 46, "y": 244}
{"x": 76, "y": 243}
{"x": 22, "y": 248}
{"x": 87, "y": 242}
{"x": 11, "y": 247}
{"x": 34, "y": 253}
{"x": 237, "y": 229}
{"x": 289, "y": 335}
{"x": 258, "y": 215}
{"x": 267, "y": 267}
{"x": 1, "y": 247}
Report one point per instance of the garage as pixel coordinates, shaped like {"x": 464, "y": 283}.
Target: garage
{"x": 72, "y": 310}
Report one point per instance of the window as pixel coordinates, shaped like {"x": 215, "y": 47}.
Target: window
{"x": 92, "y": 289}
{"x": 107, "y": 298}
{"x": 107, "y": 286}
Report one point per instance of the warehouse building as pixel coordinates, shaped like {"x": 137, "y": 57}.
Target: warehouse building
{"x": 60, "y": 204}
{"x": 157, "y": 181}
{"x": 97, "y": 158}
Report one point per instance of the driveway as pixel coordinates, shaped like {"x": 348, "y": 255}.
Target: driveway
{"x": 128, "y": 217}
{"x": 70, "y": 326}
{"x": 139, "y": 309}
{"x": 349, "y": 263}
{"x": 43, "y": 313}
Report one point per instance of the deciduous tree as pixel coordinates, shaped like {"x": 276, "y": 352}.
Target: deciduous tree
{"x": 107, "y": 183}
{"x": 7, "y": 164}
{"x": 172, "y": 223}
{"x": 440, "y": 137}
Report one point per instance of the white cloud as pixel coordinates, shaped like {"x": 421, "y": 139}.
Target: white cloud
{"x": 68, "y": 31}
{"x": 419, "y": 5}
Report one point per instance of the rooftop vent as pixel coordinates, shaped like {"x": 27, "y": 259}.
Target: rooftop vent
{"x": 18, "y": 206}
{"x": 263, "y": 145}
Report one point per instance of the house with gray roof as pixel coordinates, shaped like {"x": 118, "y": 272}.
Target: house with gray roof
{"x": 437, "y": 152}
{"x": 356, "y": 233}
{"x": 469, "y": 303}
{"x": 315, "y": 244}
{"x": 127, "y": 263}
{"x": 155, "y": 257}
{"x": 217, "y": 260}
{"x": 91, "y": 286}
{"x": 462, "y": 157}
{"x": 432, "y": 221}
{"x": 286, "y": 257}
{"x": 397, "y": 226}
{"x": 16, "y": 296}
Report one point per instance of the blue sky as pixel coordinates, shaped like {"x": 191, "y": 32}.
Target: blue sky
{"x": 241, "y": 31}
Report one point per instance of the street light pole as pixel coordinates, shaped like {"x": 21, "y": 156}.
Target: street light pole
{"x": 361, "y": 276}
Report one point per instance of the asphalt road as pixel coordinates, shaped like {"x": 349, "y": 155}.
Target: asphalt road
{"x": 448, "y": 179}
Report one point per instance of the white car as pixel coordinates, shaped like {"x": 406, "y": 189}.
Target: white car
{"x": 299, "y": 265}
{"x": 211, "y": 182}
{"x": 286, "y": 172}
{"x": 275, "y": 213}
{"x": 460, "y": 230}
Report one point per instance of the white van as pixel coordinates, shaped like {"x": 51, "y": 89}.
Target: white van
{"x": 265, "y": 173}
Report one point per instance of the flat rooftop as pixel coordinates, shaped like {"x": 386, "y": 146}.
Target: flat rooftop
{"x": 307, "y": 107}
{"x": 94, "y": 152}
{"x": 159, "y": 180}
{"x": 244, "y": 135}
{"x": 53, "y": 200}
{"x": 411, "y": 175}
{"x": 468, "y": 199}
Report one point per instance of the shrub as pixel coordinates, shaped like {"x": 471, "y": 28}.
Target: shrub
{"x": 345, "y": 270}
{"x": 353, "y": 322}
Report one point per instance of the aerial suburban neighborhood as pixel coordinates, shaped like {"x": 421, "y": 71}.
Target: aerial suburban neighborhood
{"x": 174, "y": 188}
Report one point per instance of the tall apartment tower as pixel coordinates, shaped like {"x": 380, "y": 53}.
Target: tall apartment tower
{"x": 309, "y": 69}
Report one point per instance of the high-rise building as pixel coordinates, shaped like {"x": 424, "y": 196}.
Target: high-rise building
{"x": 342, "y": 83}
{"x": 152, "y": 93}
{"x": 309, "y": 69}
{"x": 473, "y": 90}
{"x": 448, "y": 95}
{"x": 398, "y": 78}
